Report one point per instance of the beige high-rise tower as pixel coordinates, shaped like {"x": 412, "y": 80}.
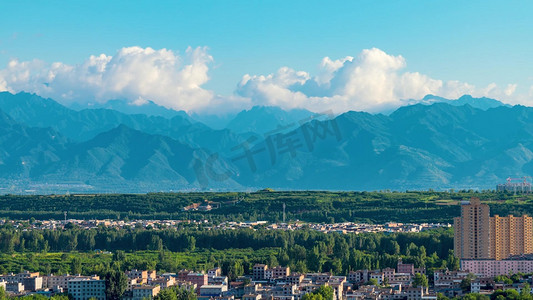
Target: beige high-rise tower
{"x": 478, "y": 236}
{"x": 472, "y": 231}
{"x": 510, "y": 236}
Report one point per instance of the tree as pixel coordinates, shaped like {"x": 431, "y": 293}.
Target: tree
{"x": 235, "y": 270}
{"x": 385, "y": 281}
{"x": 311, "y": 296}
{"x": 372, "y": 281}
{"x": 322, "y": 293}
{"x": 119, "y": 255}
{"x": 156, "y": 243}
{"x": 420, "y": 280}
{"x": 467, "y": 282}
{"x": 45, "y": 247}
{"x": 116, "y": 284}
{"x": 475, "y": 296}
{"x": 191, "y": 243}
{"x": 175, "y": 293}
{"x": 75, "y": 266}
{"x": 440, "y": 296}
{"x": 184, "y": 294}
{"x": 315, "y": 260}
{"x": 421, "y": 256}
{"x": 452, "y": 262}
{"x": 395, "y": 248}
{"x": 525, "y": 292}
{"x": 3, "y": 294}
{"x": 48, "y": 269}
{"x": 507, "y": 294}
{"x": 166, "y": 294}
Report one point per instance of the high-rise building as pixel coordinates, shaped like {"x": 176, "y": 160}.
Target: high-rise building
{"x": 510, "y": 236}
{"x": 479, "y": 236}
{"x": 472, "y": 230}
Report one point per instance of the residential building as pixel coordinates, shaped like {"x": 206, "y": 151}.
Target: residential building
{"x": 217, "y": 280}
{"x": 479, "y": 236}
{"x": 251, "y": 297}
{"x": 492, "y": 267}
{"x": 510, "y": 235}
{"x": 86, "y": 288}
{"x": 419, "y": 293}
{"x": 472, "y": 231}
{"x": 197, "y": 278}
{"x": 213, "y": 290}
{"x": 258, "y": 271}
{"x": 144, "y": 275}
{"x": 145, "y": 292}
{"x": 405, "y": 268}
{"x": 61, "y": 281}
{"x": 295, "y": 278}
{"x": 32, "y": 284}
{"x": 214, "y": 272}
{"x": 14, "y": 287}
{"x": 277, "y": 272}
{"x": 163, "y": 282}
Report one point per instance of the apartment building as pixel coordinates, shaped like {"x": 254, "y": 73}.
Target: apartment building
{"x": 479, "y": 236}
{"x": 510, "y": 235}
{"x": 197, "y": 278}
{"x": 86, "y": 288}
{"x": 61, "y": 281}
{"x": 258, "y": 271}
{"x": 145, "y": 292}
{"x": 277, "y": 272}
{"x": 492, "y": 267}
{"x": 472, "y": 230}
{"x": 213, "y": 290}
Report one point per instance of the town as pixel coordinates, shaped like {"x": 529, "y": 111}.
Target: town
{"x": 492, "y": 254}
{"x": 403, "y": 282}
{"x": 345, "y": 227}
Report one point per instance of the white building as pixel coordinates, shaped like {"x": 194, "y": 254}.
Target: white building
{"x": 213, "y": 290}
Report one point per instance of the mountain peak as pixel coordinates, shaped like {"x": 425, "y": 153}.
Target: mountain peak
{"x": 483, "y": 103}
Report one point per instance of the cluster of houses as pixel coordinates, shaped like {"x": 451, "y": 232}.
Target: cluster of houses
{"x": 451, "y": 283}
{"x": 276, "y": 283}
{"x": 264, "y": 283}
{"x": 27, "y": 283}
{"x": 90, "y": 224}
{"x": 346, "y": 227}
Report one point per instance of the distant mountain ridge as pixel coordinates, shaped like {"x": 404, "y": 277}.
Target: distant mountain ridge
{"x": 48, "y": 148}
{"x": 259, "y": 119}
{"x": 481, "y": 103}
{"x": 148, "y": 108}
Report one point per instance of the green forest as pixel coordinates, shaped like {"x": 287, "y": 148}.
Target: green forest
{"x": 267, "y": 205}
{"x": 95, "y": 251}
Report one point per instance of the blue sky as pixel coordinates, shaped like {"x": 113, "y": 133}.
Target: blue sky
{"x": 477, "y": 43}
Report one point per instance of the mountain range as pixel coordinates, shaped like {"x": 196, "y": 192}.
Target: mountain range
{"x": 466, "y": 143}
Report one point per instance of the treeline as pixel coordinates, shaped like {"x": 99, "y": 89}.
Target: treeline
{"x": 329, "y": 207}
{"x": 302, "y": 250}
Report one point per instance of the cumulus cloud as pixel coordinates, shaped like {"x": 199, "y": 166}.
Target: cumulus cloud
{"x": 373, "y": 81}
{"x": 133, "y": 73}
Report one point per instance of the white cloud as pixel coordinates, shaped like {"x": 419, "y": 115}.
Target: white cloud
{"x": 133, "y": 73}
{"x": 511, "y": 88}
{"x": 373, "y": 81}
